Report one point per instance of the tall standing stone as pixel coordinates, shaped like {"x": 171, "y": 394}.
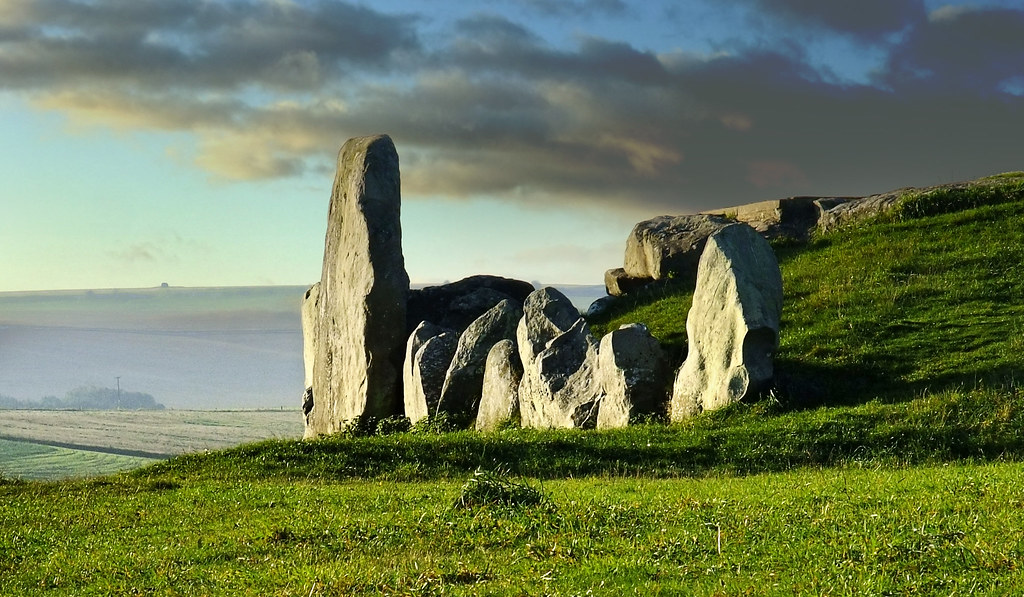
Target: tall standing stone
{"x": 364, "y": 287}
{"x": 733, "y": 326}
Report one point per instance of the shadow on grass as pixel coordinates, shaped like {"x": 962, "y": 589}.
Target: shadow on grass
{"x": 800, "y": 385}
{"x": 980, "y": 424}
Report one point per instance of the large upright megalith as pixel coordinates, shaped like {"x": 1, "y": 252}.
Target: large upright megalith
{"x": 361, "y": 328}
{"x": 733, "y": 326}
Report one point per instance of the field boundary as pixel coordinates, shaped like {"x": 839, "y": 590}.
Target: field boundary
{"x": 86, "y": 448}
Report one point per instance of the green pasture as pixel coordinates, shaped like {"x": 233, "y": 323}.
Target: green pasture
{"x": 887, "y": 459}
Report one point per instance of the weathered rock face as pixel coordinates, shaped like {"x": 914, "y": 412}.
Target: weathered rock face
{"x": 633, "y": 376}
{"x": 836, "y": 212}
{"x": 617, "y": 282}
{"x": 460, "y": 303}
{"x": 668, "y": 245}
{"x": 601, "y": 306}
{"x": 733, "y": 325}
{"x": 559, "y": 388}
{"x": 792, "y": 217}
{"x": 428, "y": 353}
{"x": 499, "y": 401}
{"x": 360, "y": 332}
{"x": 463, "y": 383}
{"x": 547, "y": 313}
{"x": 310, "y": 313}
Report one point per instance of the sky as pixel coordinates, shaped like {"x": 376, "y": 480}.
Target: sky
{"x": 194, "y": 142}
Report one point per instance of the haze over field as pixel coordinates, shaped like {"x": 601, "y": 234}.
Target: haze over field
{"x": 190, "y": 348}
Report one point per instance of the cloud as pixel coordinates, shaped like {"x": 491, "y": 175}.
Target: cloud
{"x": 160, "y": 249}
{"x": 961, "y": 49}
{"x": 577, "y": 8}
{"x": 493, "y": 110}
{"x": 141, "y": 253}
{"x": 144, "y": 252}
{"x": 864, "y": 18}
{"x": 185, "y": 44}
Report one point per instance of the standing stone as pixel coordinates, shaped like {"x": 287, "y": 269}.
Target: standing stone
{"x": 463, "y": 384}
{"x": 499, "y": 400}
{"x": 633, "y": 376}
{"x": 559, "y": 388}
{"x": 733, "y": 325}
{"x": 547, "y": 313}
{"x": 363, "y": 291}
{"x": 310, "y": 312}
{"x": 428, "y": 354}
{"x": 669, "y": 245}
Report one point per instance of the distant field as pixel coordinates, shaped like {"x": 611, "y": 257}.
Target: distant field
{"x": 50, "y": 444}
{"x": 26, "y": 460}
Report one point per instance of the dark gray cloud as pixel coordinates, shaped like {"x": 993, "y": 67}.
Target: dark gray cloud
{"x": 494, "y": 44}
{"x": 862, "y": 18}
{"x": 495, "y": 110}
{"x": 190, "y": 44}
{"x": 576, "y": 8}
{"x": 961, "y": 48}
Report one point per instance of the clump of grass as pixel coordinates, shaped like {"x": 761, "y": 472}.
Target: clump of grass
{"x": 498, "y": 488}
{"x": 994, "y": 190}
{"x": 435, "y": 424}
{"x": 371, "y": 426}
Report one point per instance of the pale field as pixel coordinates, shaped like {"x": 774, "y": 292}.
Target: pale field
{"x": 166, "y": 432}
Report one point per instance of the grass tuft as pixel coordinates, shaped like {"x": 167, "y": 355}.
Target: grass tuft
{"x": 498, "y": 488}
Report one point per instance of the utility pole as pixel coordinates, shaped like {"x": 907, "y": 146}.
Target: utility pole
{"x": 118, "y": 378}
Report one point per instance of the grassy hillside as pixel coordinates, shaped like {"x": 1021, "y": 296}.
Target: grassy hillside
{"x": 926, "y": 297}
{"x": 887, "y": 460}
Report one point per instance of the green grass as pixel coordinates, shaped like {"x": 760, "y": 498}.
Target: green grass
{"x": 888, "y": 459}
{"x": 992, "y": 190}
{"x": 981, "y": 423}
{"x": 842, "y": 531}
{"x": 25, "y": 460}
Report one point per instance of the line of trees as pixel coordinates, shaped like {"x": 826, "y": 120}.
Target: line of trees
{"x": 87, "y": 398}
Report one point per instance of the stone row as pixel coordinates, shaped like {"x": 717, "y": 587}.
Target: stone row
{"x": 486, "y": 350}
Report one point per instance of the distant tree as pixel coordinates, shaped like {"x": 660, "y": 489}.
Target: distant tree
{"x": 11, "y": 403}
{"x": 49, "y": 402}
{"x": 87, "y": 398}
{"x": 94, "y": 398}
